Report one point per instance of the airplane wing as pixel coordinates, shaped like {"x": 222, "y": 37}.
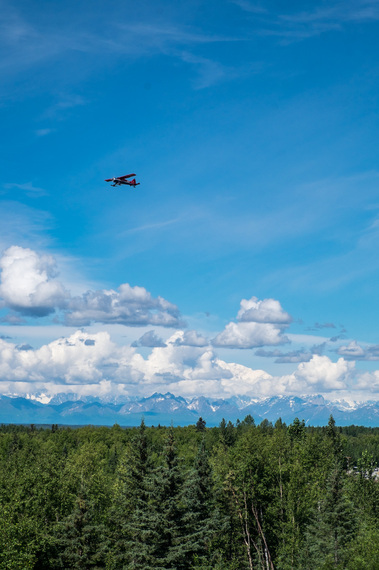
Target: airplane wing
{"x": 125, "y": 176}
{"x": 108, "y": 180}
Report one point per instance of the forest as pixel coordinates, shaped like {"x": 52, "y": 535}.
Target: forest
{"x": 234, "y": 497}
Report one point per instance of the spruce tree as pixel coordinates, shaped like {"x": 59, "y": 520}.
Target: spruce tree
{"x": 200, "y": 424}
{"x": 197, "y": 519}
{"x": 148, "y": 520}
{"x": 132, "y": 533}
{"x": 80, "y": 538}
{"x": 333, "y": 526}
{"x": 296, "y": 430}
{"x": 169, "y": 509}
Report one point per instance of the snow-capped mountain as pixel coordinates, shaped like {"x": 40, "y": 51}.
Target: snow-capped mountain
{"x": 167, "y": 408}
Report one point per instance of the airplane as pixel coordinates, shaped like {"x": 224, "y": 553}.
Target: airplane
{"x": 119, "y": 180}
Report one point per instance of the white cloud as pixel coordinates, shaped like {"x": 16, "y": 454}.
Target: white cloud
{"x": 369, "y": 382}
{"x": 260, "y": 323}
{"x": 76, "y": 359}
{"x": 92, "y": 360}
{"x": 29, "y": 286}
{"x": 149, "y": 339}
{"x": 28, "y": 283}
{"x": 354, "y": 351}
{"x": 265, "y": 311}
{"x": 249, "y": 335}
{"x": 128, "y": 306}
{"x": 190, "y": 338}
{"x": 285, "y": 357}
{"x": 243, "y": 380}
{"x": 321, "y": 374}
{"x": 185, "y": 363}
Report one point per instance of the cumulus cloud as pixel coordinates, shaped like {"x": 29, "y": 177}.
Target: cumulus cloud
{"x": 249, "y": 335}
{"x": 71, "y": 359}
{"x": 354, "y": 351}
{"x": 128, "y": 305}
{"x": 149, "y": 339}
{"x": 29, "y": 286}
{"x": 186, "y": 363}
{"x": 190, "y": 338}
{"x": 265, "y": 311}
{"x": 286, "y": 357}
{"x": 93, "y": 360}
{"x": 260, "y": 323}
{"x": 300, "y": 355}
{"x": 25, "y": 347}
{"x": 369, "y": 382}
{"x": 322, "y": 374}
{"x": 28, "y": 282}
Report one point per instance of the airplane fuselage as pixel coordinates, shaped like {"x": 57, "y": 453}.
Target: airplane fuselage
{"x": 123, "y": 180}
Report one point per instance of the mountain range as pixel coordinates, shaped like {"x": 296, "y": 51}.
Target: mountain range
{"x": 164, "y": 409}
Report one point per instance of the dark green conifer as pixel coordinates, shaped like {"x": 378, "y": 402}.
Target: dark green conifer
{"x": 169, "y": 509}
{"x": 132, "y": 533}
{"x": 333, "y": 526}
{"x": 80, "y": 538}
{"x": 248, "y": 420}
{"x": 200, "y": 424}
{"x": 334, "y": 437}
{"x": 227, "y": 432}
{"x": 198, "y": 522}
{"x": 296, "y": 430}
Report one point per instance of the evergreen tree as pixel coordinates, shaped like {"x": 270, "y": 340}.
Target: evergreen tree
{"x": 80, "y": 538}
{"x": 149, "y": 527}
{"x": 227, "y": 433}
{"x": 334, "y": 437}
{"x": 132, "y": 533}
{"x": 296, "y": 430}
{"x": 333, "y": 526}
{"x": 168, "y": 521}
{"x": 198, "y": 522}
{"x": 130, "y": 499}
{"x": 248, "y": 421}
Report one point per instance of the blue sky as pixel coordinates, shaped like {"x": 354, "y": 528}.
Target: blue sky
{"x": 246, "y": 261}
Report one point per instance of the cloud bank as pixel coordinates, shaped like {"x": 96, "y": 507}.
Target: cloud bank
{"x": 186, "y": 363}
{"x": 29, "y": 286}
{"x": 85, "y": 361}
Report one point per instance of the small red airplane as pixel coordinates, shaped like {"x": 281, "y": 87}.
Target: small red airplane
{"x": 123, "y": 180}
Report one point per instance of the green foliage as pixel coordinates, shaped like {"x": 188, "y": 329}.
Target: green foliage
{"x": 363, "y": 553}
{"x": 233, "y": 497}
{"x": 296, "y": 430}
{"x": 199, "y": 511}
{"x": 333, "y": 526}
{"x": 15, "y": 533}
{"x": 80, "y": 541}
{"x": 200, "y": 424}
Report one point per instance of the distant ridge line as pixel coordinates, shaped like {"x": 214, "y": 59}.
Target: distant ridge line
{"x": 70, "y": 409}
